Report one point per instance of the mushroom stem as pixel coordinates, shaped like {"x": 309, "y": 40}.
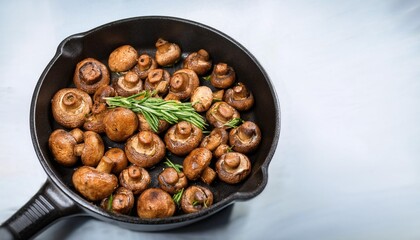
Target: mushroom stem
{"x": 144, "y": 62}
{"x": 130, "y": 80}
{"x": 225, "y": 111}
{"x": 71, "y": 100}
{"x": 90, "y": 72}
{"x": 156, "y": 76}
{"x": 232, "y": 161}
{"x": 105, "y": 165}
{"x": 179, "y": 82}
{"x": 240, "y": 92}
{"x": 246, "y": 132}
{"x": 77, "y": 134}
{"x": 134, "y": 172}
{"x": 78, "y": 149}
{"x": 183, "y": 130}
{"x": 221, "y": 69}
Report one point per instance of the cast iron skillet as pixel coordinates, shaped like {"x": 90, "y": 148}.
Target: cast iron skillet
{"x": 57, "y": 198}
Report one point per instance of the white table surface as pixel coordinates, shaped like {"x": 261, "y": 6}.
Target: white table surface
{"x": 347, "y": 74}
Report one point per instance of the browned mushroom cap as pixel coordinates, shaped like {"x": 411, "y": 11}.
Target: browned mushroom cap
{"x": 155, "y": 203}
{"x": 220, "y": 113}
{"x": 216, "y": 137}
{"x": 202, "y": 98}
{"x": 95, "y": 183}
{"x": 223, "y": 76}
{"x": 145, "y": 64}
{"x": 70, "y": 106}
{"x": 95, "y": 122}
{"x": 245, "y": 138}
{"x": 117, "y": 155}
{"x": 62, "y": 143}
{"x": 122, "y": 201}
{"x": 167, "y": 53}
{"x": 195, "y": 163}
{"x": 196, "y": 198}
{"x": 220, "y": 150}
{"x": 90, "y": 74}
{"x": 99, "y": 103}
{"x": 122, "y": 59}
{"x": 183, "y": 83}
{"x": 218, "y": 95}
{"x": 182, "y": 138}
{"x": 239, "y": 97}
{"x": 91, "y": 150}
{"x": 145, "y": 126}
{"x": 128, "y": 84}
{"x": 158, "y": 79}
{"x": 172, "y": 181}
{"x": 233, "y": 167}
{"x": 135, "y": 178}
{"x": 120, "y": 123}
{"x": 145, "y": 149}
{"x": 198, "y": 61}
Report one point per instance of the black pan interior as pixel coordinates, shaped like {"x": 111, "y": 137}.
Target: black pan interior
{"x": 142, "y": 33}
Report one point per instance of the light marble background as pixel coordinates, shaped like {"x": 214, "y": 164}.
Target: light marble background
{"x": 347, "y": 74}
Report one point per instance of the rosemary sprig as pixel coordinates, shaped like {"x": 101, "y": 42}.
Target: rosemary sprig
{"x": 155, "y": 109}
{"x": 207, "y": 78}
{"x": 175, "y": 166}
{"x": 234, "y": 122}
{"x": 110, "y": 199}
{"x": 177, "y": 196}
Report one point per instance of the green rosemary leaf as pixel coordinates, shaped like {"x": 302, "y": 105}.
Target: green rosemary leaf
{"x": 175, "y": 166}
{"x": 234, "y": 122}
{"x": 177, "y": 196}
{"x": 110, "y": 199}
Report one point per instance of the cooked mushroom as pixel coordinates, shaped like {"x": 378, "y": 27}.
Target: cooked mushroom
{"x": 172, "y": 181}
{"x": 220, "y": 113}
{"x": 155, "y": 203}
{"x": 145, "y": 126}
{"x": 145, "y": 149}
{"x": 122, "y": 201}
{"x": 90, "y": 74}
{"x": 239, "y": 97}
{"x": 196, "y": 163}
{"x": 128, "y": 84}
{"x": 220, "y": 150}
{"x": 233, "y": 167}
{"x": 158, "y": 80}
{"x": 62, "y": 143}
{"x": 91, "y": 150}
{"x": 202, "y": 98}
{"x": 195, "y": 198}
{"x": 167, "y": 53}
{"x": 145, "y": 64}
{"x": 245, "y": 138}
{"x": 182, "y": 138}
{"x": 218, "y": 95}
{"x": 198, "y": 61}
{"x": 95, "y": 183}
{"x": 120, "y": 123}
{"x": 117, "y": 155}
{"x": 223, "y": 76}
{"x": 122, "y": 58}
{"x": 183, "y": 83}
{"x": 216, "y": 137}
{"x": 94, "y": 121}
{"x": 70, "y": 106}
{"x": 135, "y": 178}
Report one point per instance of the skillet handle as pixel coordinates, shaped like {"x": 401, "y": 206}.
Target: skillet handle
{"x": 46, "y": 206}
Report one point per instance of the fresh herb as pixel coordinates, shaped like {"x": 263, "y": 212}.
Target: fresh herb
{"x": 177, "y": 196}
{"x": 155, "y": 109}
{"x": 217, "y": 99}
{"x": 175, "y": 166}
{"x": 230, "y": 149}
{"x": 195, "y": 203}
{"x": 234, "y": 122}
{"x": 207, "y": 78}
{"x": 110, "y": 199}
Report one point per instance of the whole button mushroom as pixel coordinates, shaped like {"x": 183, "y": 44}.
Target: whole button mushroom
{"x": 91, "y": 150}
{"x": 145, "y": 149}
{"x": 245, "y": 138}
{"x": 128, "y": 84}
{"x": 198, "y": 61}
{"x": 145, "y": 64}
{"x": 155, "y": 203}
{"x": 223, "y": 76}
{"x": 172, "y": 181}
{"x": 97, "y": 183}
{"x": 196, "y": 165}
{"x": 195, "y": 198}
{"x": 239, "y": 97}
{"x": 216, "y": 137}
{"x": 117, "y": 155}
{"x": 145, "y": 126}
{"x": 122, "y": 201}
{"x": 135, "y": 178}
{"x": 183, "y": 83}
{"x": 182, "y": 138}
{"x": 90, "y": 74}
{"x": 158, "y": 80}
{"x": 70, "y": 107}
{"x": 122, "y": 58}
{"x": 202, "y": 98}
{"x": 62, "y": 143}
{"x": 120, "y": 123}
{"x": 167, "y": 53}
{"x": 221, "y": 113}
{"x": 233, "y": 167}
